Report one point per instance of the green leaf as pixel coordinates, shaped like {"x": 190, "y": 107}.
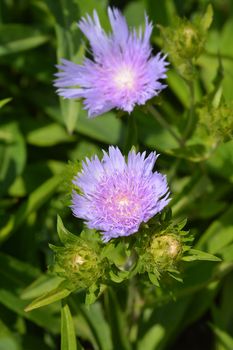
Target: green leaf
{"x": 115, "y": 253}
{"x": 86, "y": 7}
{"x": 48, "y": 135}
{"x": 201, "y": 301}
{"x": 98, "y": 128}
{"x": 117, "y": 321}
{"x": 48, "y": 298}
{"x": 69, "y": 47}
{"x": 106, "y": 128}
{"x": 194, "y": 153}
{"x": 199, "y": 255}
{"x": 94, "y": 317}
{"x": 33, "y": 203}
{"x": 64, "y": 235}
{"x": 179, "y": 87}
{"x": 154, "y": 279}
{"x": 207, "y": 18}
{"x": 152, "y": 135}
{"x": 220, "y": 241}
{"x": 41, "y": 285}
{"x": 161, "y": 12}
{"x": 227, "y": 252}
{"x": 92, "y": 294}
{"x": 44, "y": 318}
{"x": 211, "y": 239}
{"x": 8, "y": 340}
{"x": 222, "y": 311}
{"x": 134, "y": 13}
{"x": 221, "y": 162}
{"x": 34, "y": 175}
{"x": 68, "y": 338}
{"x": 12, "y": 155}
{"x": 120, "y": 277}
{"x": 160, "y": 323}
{"x": 225, "y": 339}
{"x": 19, "y": 37}
{"x": 5, "y": 101}
{"x": 14, "y": 273}
{"x": 219, "y": 45}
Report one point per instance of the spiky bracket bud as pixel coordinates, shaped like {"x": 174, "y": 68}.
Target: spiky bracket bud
{"x": 162, "y": 248}
{"x": 185, "y": 41}
{"x": 79, "y": 260}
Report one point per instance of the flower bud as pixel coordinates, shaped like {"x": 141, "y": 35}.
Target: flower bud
{"x": 78, "y": 264}
{"x": 189, "y": 41}
{"x": 165, "y": 250}
{"x": 184, "y": 42}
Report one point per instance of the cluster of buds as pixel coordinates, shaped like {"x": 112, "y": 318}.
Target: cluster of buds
{"x": 84, "y": 262}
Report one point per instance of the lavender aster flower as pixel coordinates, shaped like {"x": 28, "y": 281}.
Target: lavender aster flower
{"x": 123, "y": 71}
{"x": 118, "y": 195}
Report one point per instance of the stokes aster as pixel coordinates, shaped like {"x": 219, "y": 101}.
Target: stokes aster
{"x": 118, "y": 195}
{"x": 122, "y": 73}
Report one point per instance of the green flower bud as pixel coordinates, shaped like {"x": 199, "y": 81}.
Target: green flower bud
{"x": 215, "y": 124}
{"x": 190, "y": 42}
{"x": 185, "y": 40}
{"x": 165, "y": 250}
{"x": 79, "y": 264}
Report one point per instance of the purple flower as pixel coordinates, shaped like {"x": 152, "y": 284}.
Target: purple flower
{"x": 118, "y": 195}
{"x": 123, "y": 71}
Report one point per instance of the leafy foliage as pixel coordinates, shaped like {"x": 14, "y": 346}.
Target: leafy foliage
{"x": 157, "y": 288}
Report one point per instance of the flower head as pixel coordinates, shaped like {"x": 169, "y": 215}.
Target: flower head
{"x": 123, "y": 71}
{"x": 118, "y": 195}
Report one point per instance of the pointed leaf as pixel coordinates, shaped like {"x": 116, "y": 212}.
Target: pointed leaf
{"x": 41, "y": 285}
{"x": 225, "y": 339}
{"x": 33, "y": 203}
{"x": 154, "y": 280}
{"x": 117, "y": 321}
{"x": 18, "y": 37}
{"x": 68, "y": 338}
{"x": 95, "y": 319}
{"x": 64, "y": 235}
{"x": 5, "y": 101}
{"x": 199, "y": 255}
{"x": 48, "y": 298}
{"x": 208, "y": 17}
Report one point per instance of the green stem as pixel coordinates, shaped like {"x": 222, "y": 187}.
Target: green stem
{"x": 164, "y": 124}
{"x": 131, "y": 134}
{"x": 189, "y": 125}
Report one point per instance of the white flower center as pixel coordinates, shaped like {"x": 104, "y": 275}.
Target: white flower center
{"x": 78, "y": 260}
{"x": 125, "y": 78}
{"x": 122, "y": 201}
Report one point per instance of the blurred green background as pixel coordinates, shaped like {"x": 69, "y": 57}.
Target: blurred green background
{"x": 39, "y": 134}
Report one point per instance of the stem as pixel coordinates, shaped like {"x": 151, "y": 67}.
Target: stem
{"x": 164, "y": 124}
{"x": 131, "y": 134}
{"x": 189, "y": 125}
{"x": 173, "y": 170}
